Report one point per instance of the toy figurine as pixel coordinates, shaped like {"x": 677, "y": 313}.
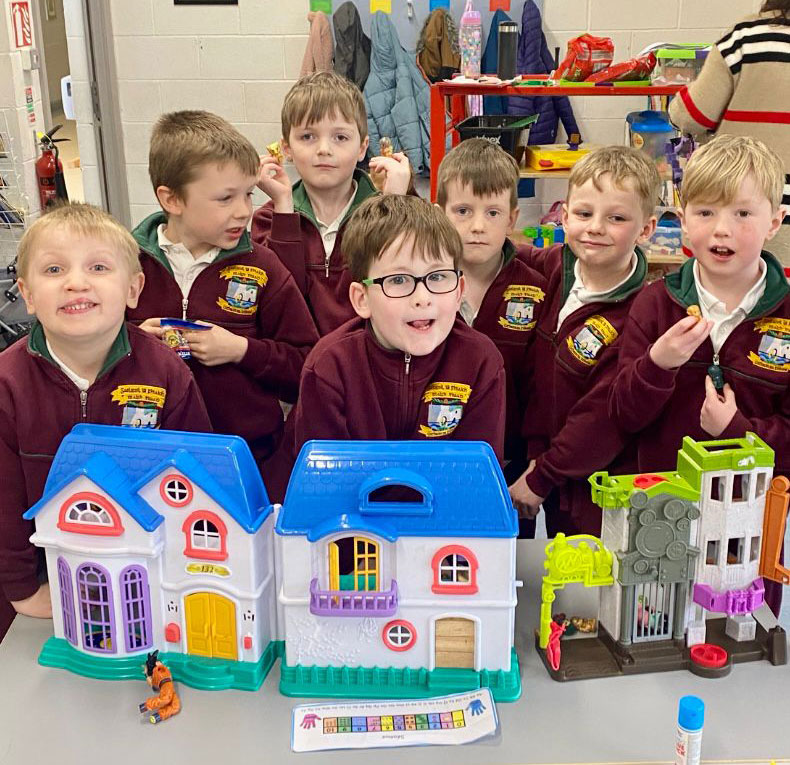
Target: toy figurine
{"x": 553, "y": 651}
{"x": 166, "y": 703}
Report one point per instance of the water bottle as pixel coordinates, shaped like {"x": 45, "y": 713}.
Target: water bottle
{"x": 470, "y": 38}
{"x": 688, "y": 739}
{"x": 507, "y": 48}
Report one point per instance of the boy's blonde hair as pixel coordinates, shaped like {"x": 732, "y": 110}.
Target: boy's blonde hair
{"x": 715, "y": 171}
{"x": 484, "y": 166}
{"x": 624, "y": 165}
{"x": 380, "y": 220}
{"x": 323, "y": 94}
{"x": 85, "y": 220}
{"x": 181, "y": 142}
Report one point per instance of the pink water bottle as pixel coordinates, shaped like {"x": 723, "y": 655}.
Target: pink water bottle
{"x": 470, "y": 38}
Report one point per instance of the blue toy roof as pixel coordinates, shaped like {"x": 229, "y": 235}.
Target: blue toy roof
{"x": 464, "y": 493}
{"x": 222, "y": 466}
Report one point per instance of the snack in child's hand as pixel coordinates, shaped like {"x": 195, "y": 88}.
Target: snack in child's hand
{"x": 379, "y": 177}
{"x": 385, "y": 147}
{"x": 693, "y": 310}
{"x": 276, "y": 151}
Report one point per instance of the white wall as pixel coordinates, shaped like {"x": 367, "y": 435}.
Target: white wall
{"x": 55, "y": 49}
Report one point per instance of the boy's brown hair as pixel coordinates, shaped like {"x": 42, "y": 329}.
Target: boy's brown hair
{"x": 624, "y": 165}
{"x": 715, "y": 171}
{"x": 484, "y": 166}
{"x": 181, "y": 142}
{"x": 323, "y": 94}
{"x": 85, "y": 220}
{"x": 380, "y": 220}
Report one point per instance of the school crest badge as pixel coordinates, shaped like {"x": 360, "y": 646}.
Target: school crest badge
{"x": 141, "y": 404}
{"x": 244, "y": 282}
{"x": 774, "y": 350}
{"x": 591, "y": 339}
{"x": 520, "y": 309}
{"x": 445, "y": 407}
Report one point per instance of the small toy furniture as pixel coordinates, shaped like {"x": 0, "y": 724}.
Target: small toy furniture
{"x": 158, "y": 539}
{"x": 396, "y": 567}
{"x": 674, "y": 549}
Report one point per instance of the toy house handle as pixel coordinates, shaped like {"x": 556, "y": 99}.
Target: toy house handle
{"x": 399, "y": 489}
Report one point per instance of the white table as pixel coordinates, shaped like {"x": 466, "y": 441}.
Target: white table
{"x": 49, "y": 715}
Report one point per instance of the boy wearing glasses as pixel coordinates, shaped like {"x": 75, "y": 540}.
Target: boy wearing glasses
{"x": 407, "y": 367}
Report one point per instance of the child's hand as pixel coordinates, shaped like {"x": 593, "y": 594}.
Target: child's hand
{"x": 524, "y": 499}
{"x": 677, "y": 345}
{"x": 216, "y": 346}
{"x": 153, "y": 327}
{"x": 396, "y": 171}
{"x": 274, "y": 182}
{"x": 718, "y": 409}
{"x": 38, "y": 605}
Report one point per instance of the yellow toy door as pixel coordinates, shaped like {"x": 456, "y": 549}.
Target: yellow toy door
{"x": 197, "y": 608}
{"x": 223, "y": 627}
{"x": 334, "y": 566}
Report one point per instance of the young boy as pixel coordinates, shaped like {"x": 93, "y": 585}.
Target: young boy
{"x": 325, "y": 135}
{"x": 78, "y": 271}
{"x": 503, "y": 296}
{"x": 592, "y": 280}
{"x": 731, "y": 194}
{"x": 407, "y": 367}
{"x": 200, "y": 265}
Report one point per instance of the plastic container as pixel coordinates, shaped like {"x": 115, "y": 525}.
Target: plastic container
{"x": 679, "y": 65}
{"x": 506, "y": 130}
{"x": 470, "y": 39}
{"x": 688, "y": 739}
{"x": 553, "y": 156}
{"x": 650, "y": 131}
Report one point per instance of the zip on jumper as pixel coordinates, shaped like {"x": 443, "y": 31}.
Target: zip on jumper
{"x": 84, "y": 404}
{"x": 407, "y": 361}
{"x": 184, "y": 304}
{"x": 326, "y": 264}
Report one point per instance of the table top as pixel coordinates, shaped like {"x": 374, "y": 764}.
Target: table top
{"x": 49, "y": 715}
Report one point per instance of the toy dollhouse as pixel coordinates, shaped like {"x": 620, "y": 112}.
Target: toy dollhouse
{"x": 158, "y": 539}
{"x": 676, "y": 549}
{"x": 396, "y": 571}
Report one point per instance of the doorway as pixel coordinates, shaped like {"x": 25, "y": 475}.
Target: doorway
{"x": 211, "y": 625}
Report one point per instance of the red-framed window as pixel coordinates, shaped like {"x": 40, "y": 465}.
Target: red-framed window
{"x": 175, "y": 490}
{"x": 454, "y": 571}
{"x": 89, "y": 513}
{"x": 206, "y": 536}
{"x": 399, "y": 635}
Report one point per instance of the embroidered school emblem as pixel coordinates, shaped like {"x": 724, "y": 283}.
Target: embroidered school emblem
{"x": 520, "y": 309}
{"x": 142, "y": 404}
{"x": 244, "y": 282}
{"x": 588, "y": 342}
{"x": 774, "y": 350}
{"x": 445, "y": 407}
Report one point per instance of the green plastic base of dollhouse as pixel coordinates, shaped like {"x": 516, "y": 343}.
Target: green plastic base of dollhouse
{"x": 396, "y": 683}
{"x": 196, "y": 671}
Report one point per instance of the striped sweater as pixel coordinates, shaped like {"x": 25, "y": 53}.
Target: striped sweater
{"x": 743, "y": 88}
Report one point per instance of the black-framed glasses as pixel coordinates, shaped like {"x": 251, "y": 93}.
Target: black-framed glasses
{"x": 402, "y": 285}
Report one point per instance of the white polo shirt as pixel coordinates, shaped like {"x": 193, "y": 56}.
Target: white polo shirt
{"x": 186, "y": 267}
{"x": 329, "y": 231}
{"x": 81, "y": 382}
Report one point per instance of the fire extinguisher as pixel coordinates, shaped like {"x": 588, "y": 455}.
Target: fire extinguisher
{"x": 49, "y": 170}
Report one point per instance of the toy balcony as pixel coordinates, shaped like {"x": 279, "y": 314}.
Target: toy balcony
{"x": 353, "y": 602}
{"x": 731, "y": 602}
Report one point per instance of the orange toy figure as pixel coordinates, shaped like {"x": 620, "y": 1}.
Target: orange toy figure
{"x": 167, "y": 703}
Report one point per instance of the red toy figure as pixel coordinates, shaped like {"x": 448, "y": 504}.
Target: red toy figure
{"x": 553, "y": 652}
{"x": 167, "y": 703}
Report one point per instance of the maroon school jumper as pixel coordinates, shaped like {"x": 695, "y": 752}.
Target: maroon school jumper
{"x": 352, "y": 388}
{"x": 662, "y": 406}
{"x": 568, "y": 412}
{"x": 249, "y": 292}
{"x": 323, "y": 279}
{"x": 508, "y": 314}
{"x": 39, "y": 405}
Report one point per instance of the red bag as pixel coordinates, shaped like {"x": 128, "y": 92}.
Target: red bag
{"x": 633, "y": 69}
{"x": 586, "y": 55}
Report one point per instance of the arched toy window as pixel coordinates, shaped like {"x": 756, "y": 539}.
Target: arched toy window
{"x": 399, "y": 635}
{"x": 136, "y": 608}
{"x": 67, "y": 602}
{"x": 396, "y": 491}
{"x": 205, "y": 536}
{"x": 175, "y": 490}
{"x": 96, "y": 611}
{"x": 90, "y": 513}
{"x": 454, "y": 571}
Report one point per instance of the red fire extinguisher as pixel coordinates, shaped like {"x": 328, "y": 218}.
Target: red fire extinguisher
{"x": 49, "y": 170}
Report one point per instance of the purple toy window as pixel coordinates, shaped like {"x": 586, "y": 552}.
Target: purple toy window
{"x": 96, "y": 612}
{"x": 67, "y": 602}
{"x": 136, "y": 608}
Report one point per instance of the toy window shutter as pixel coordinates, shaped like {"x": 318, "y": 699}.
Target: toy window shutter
{"x": 334, "y": 566}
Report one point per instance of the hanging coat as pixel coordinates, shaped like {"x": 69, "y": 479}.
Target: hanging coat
{"x": 438, "y": 54}
{"x": 534, "y": 58}
{"x": 352, "y": 45}
{"x": 318, "y": 53}
{"x": 397, "y": 96}
{"x": 490, "y": 63}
